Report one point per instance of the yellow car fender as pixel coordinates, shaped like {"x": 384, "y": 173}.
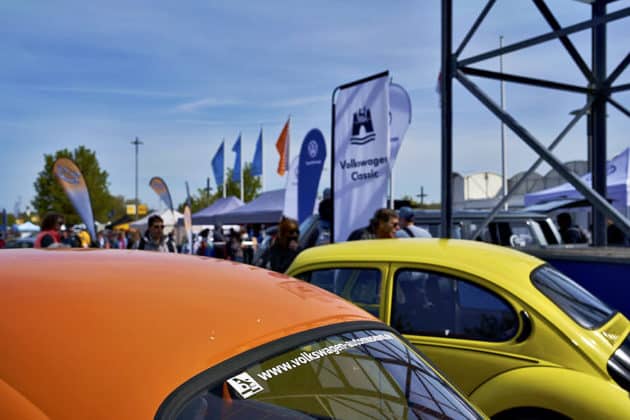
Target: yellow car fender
{"x": 568, "y": 392}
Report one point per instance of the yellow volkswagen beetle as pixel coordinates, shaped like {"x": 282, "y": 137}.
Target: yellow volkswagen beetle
{"x": 520, "y": 339}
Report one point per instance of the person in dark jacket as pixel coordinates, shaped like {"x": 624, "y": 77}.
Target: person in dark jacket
{"x": 279, "y": 256}
{"x": 570, "y": 233}
{"x": 154, "y": 238}
{"x": 383, "y": 225}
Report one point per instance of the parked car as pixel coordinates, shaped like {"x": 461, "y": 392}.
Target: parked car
{"x": 509, "y": 228}
{"x": 26, "y": 242}
{"x": 514, "y": 229}
{"x": 96, "y": 334}
{"x": 518, "y": 337}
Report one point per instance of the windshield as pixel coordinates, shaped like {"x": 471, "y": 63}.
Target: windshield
{"x": 361, "y": 374}
{"x": 577, "y": 302}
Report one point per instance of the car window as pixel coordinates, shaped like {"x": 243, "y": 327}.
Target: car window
{"x": 361, "y": 286}
{"x": 573, "y": 299}
{"x": 429, "y": 303}
{"x": 359, "y": 374}
{"x": 547, "y": 231}
{"x": 521, "y": 235}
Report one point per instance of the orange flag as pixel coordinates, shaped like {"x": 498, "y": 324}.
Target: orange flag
{"x": 282, "y": 146}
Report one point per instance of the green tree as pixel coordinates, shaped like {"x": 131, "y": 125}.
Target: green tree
{"x": 202, "y": 199}
{"x": 49, "y": 196}
{"x": 251, "y": 188}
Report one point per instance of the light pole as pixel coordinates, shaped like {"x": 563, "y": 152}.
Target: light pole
{"x": 136, "y": 143}
{"x": 503, "y": 149}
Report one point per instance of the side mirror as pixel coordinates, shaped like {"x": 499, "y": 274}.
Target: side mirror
{"x": 526, "y": 330}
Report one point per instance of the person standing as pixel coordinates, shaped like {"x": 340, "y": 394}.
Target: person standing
{"x": 279, "y": 256}
{"x": 407, "y": 227}
{"x": 570, "y": 233}
{"x": 154, "y": 238}
{"x": 383, "y": 225}
{"x": 235, "y": 246}
{"x": 49, "y": 235}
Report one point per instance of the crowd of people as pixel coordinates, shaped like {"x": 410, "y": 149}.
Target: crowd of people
{"x": 255, "y": 245}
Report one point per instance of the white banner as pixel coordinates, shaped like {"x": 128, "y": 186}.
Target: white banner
{"x": 362, "y": 151}
{"x": 291, "y": 191}
{"x": 400, "y": 118}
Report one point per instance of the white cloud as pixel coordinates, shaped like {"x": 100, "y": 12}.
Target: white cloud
{"x": 205, "y": 103}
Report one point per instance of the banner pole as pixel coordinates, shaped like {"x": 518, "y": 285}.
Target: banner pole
{"x": 240, "y": 162}
{"x": 224, "y": 177}
{"x": 332, "y": 166}
{"x": 262, "y": 160}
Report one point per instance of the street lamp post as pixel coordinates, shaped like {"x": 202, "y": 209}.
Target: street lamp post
{"x": 136, "y": 143}
{"x": 503, "y": 147}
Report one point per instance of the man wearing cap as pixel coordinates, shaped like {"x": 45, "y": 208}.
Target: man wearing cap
{"x": 407, "y": 228}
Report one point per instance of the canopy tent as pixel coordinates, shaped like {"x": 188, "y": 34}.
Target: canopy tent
{"x": 169, "y": 217}
{"x": 25, "y": 229}
{"x": 266, "y": 208}
{"x": 121, "y": 223}
{"x": 617, "y": 191}
{"x": 208, "y": 215}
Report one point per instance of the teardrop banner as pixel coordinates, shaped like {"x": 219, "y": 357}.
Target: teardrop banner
{"x": 71, "y": 180}
{"x": 159, "y": 186}
{"x": 312, "y": 157}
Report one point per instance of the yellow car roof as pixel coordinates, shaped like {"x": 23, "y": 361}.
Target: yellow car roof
{"x": 110, "y": 334}
{"x": 477, "y": 258}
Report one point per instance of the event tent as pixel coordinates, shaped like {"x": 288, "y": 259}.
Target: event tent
{"x": 26, "y": 229}
{"x": 208, "y": 215}
{"x": 617, "y": 181}
{"x": 266, "y": 208}
{"x": 169, "y": 217}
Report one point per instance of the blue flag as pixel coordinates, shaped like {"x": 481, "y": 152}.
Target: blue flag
{"x": 257, "y": 164}
{"x": 312, "y": 157}
{"x": 218, "y": 165}
{"x": 236, "y": 174}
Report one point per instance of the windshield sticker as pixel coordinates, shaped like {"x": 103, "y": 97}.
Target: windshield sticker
{"x": 307, "y": 357}
{"x": 245, "y": 385}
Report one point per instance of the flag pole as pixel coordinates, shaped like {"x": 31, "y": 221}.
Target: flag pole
{"x": 223, "y": 169}
{"x": 240, "y": 161}
{"x": 289, "y": 143}
{"x": 262, "y": 161}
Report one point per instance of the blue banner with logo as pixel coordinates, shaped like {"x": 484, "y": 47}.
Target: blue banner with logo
{"x": 71, "y": 180}
{"x": 312, "y": 157}
{"x": 159, "y": 186}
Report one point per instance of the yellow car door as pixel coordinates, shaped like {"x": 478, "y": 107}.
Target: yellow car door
{"x": 469, "y": 330}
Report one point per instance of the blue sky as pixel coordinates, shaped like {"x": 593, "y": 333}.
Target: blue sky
{"x": 182, "y": 76}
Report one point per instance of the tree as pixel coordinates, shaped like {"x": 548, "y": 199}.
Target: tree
{"x": 252, "y": 187}
{"x": 51, "y": 197}
{"x": 199, "y": 201}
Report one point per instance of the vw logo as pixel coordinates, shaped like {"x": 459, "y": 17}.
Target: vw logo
{"x": 312, "y": 148}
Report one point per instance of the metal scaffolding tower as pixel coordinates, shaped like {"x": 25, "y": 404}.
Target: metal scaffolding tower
{"x": 598, "y": 90}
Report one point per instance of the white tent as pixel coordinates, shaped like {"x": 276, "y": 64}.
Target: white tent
{"x": 170, "y": 219}
{"x": 618, "y": 186}
{"x": 26, "y": 229}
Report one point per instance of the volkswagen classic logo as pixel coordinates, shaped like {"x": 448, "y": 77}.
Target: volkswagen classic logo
{"x": 68, "y": 175}
{"x": 312, "y": 148}
{"x": 362, "y": 119}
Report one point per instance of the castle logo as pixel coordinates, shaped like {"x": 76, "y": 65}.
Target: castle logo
{"x": 362, "y": 119}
